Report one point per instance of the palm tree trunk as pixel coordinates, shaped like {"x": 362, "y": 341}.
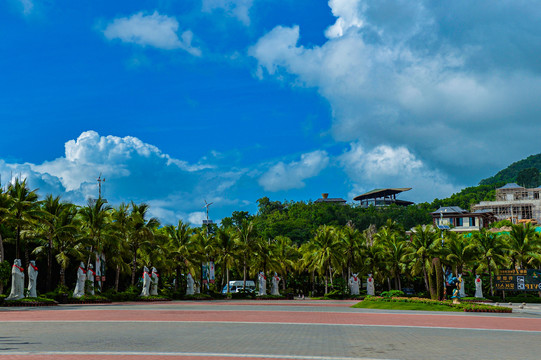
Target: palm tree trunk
{"x": 490, "y": 275}
{"x": 134, "y": 264}
{"x": 62, "y": 276}
{"x": 1, "y": 249}
{"x": 49, "y": 264}
{"x": 399, "y": 283}
{"x": 330, "y": 273}
{"x": 427, "y": 287}
{"x": 227, "y": 276}
{"x": 117, "y": 277}
{"x": 178, "y": 277}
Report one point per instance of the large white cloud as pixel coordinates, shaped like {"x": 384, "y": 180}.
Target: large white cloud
{"x": 385, "y": 166}
{"x": 154, "y": 30}
{"x": 133, "y": 170}
{"x": 424, "y": 76}
{"x": 239, "y": 9}
{"x": 283, "y": 176}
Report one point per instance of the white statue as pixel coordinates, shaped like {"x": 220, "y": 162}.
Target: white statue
{"x": 275, "y": 282}
{"x": 17, "y": 281}
{"x": 189, "y": 286}
{"x": 154, "y": 278}
{"x": 461, "y": 291}
{"x": 32, "y": 279}
{"x": 146, "y": 282}
{"x": 262, "y": 279}
{"x": 81, "y": 278}
{"x": 478, "y": 287}
{"x": 370, "y": 290}
{"x": 354, "y": 282}
{"x": 90, "y": 276}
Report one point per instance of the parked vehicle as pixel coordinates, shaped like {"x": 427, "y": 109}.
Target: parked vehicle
{"x": 236, "y": 286}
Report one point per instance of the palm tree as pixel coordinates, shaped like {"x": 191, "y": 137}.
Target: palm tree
{"x": 426, "y": 245}
{"x": 5, "y": 205}
{"x": 61, "y": 234}
{"x": 285, "y": 255}
{"x": 24, "y": 209}
{"x": 491, "y": 250}
{"x": 226, "y": 250}
{"x": 524, "y": 245}
{"x": 181, "y": 247}
{"x": 53, "y": 212}
{"x": 140, "y": 233}
{"x": 120, "y": 247}
{"x": 245, "y": 236}
{"x": 352, "y": 245}
{"x": 96, "y": 226}
{"x": 459, "y": 251}
{"x": 395, "y": 251}
{"x": 322, "y": 252}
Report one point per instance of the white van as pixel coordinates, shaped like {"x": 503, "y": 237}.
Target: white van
{"x": 237, "y": 285}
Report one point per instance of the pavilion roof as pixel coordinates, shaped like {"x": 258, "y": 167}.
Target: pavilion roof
{"x": 380, "y": 193}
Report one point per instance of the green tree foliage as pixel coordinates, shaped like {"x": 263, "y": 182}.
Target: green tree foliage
{"x": 469, "y": 196}
{"x": 510, "y": 173}
{"x": 528, "y": 178}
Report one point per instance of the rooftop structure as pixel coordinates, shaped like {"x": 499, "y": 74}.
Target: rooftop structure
{"x": 326, "y": 199}
{"x": 515, "y": 203}
{"x": 455, "y": 218}
{"x": 382, "y": 197}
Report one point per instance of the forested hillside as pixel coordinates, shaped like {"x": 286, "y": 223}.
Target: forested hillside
{"x": 511, "y": 173}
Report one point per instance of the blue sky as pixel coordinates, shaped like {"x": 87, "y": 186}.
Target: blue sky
{"x": 175, "y": 102}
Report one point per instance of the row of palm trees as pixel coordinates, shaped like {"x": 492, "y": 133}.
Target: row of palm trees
{"x": 61, "y": 232}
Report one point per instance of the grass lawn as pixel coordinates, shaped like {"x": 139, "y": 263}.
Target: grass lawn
{"x": 404, "y": 306}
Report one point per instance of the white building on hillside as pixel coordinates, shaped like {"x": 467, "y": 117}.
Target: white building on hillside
{"x": 515, "y": 203}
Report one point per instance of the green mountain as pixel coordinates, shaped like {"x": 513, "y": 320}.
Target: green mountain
{"x": 512, "y": 172}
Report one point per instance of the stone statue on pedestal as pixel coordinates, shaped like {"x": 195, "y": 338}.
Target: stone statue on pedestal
{"x": 90, "y": 276}
{"x": 154, "y": 282}
{"x": 354, "y": 282}
{"x": 146, "y": 283}
{"x": 370, "y": 286}
{"x": 478, "y": 287}
{"x": 189, "y": 284}
{"x": 17, "y": 281}
{"x": 275, "y": 283}
{"x": 32, "y": 279}
{"x": 461, "y": 291}
{"x": 262, "y": 280}
{"x": 81, "y": 278}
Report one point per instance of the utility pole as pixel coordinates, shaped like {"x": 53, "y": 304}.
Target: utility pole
{"x": 206, "y": 222}
{"x": 100, "y": 180}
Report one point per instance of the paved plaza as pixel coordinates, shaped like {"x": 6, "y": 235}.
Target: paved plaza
{"x": 262, "y": 330}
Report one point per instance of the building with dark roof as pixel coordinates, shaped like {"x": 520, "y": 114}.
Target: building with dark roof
{"x": 326, "y": 199}
{"x": 455, "y": 218}
{"x": 382, "y": 197}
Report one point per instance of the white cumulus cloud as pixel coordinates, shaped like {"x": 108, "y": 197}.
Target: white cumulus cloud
{"x": 283, "y": 176}
{"x": 133, "y": 170}
{"x": 388, "y": 167}
{"x": 159, "y": 31}
{"x": 414, "y": 73}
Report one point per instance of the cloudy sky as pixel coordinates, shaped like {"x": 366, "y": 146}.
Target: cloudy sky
{"x": 178, "y": 102}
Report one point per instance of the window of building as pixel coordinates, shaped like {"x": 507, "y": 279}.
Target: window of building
{"x": 472, "y": 221}
{"x": 458, "y": 222}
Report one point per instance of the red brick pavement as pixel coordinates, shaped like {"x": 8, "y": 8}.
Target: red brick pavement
{"x": 290, "y": 317}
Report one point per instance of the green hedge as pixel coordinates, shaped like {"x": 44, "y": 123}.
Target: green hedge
{"x": 467, "y": 307}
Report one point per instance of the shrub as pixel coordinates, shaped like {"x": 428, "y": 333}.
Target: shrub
{"x": 392, "y": 293}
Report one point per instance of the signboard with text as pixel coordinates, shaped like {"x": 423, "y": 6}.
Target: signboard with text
{"x": 518, "y": 280}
